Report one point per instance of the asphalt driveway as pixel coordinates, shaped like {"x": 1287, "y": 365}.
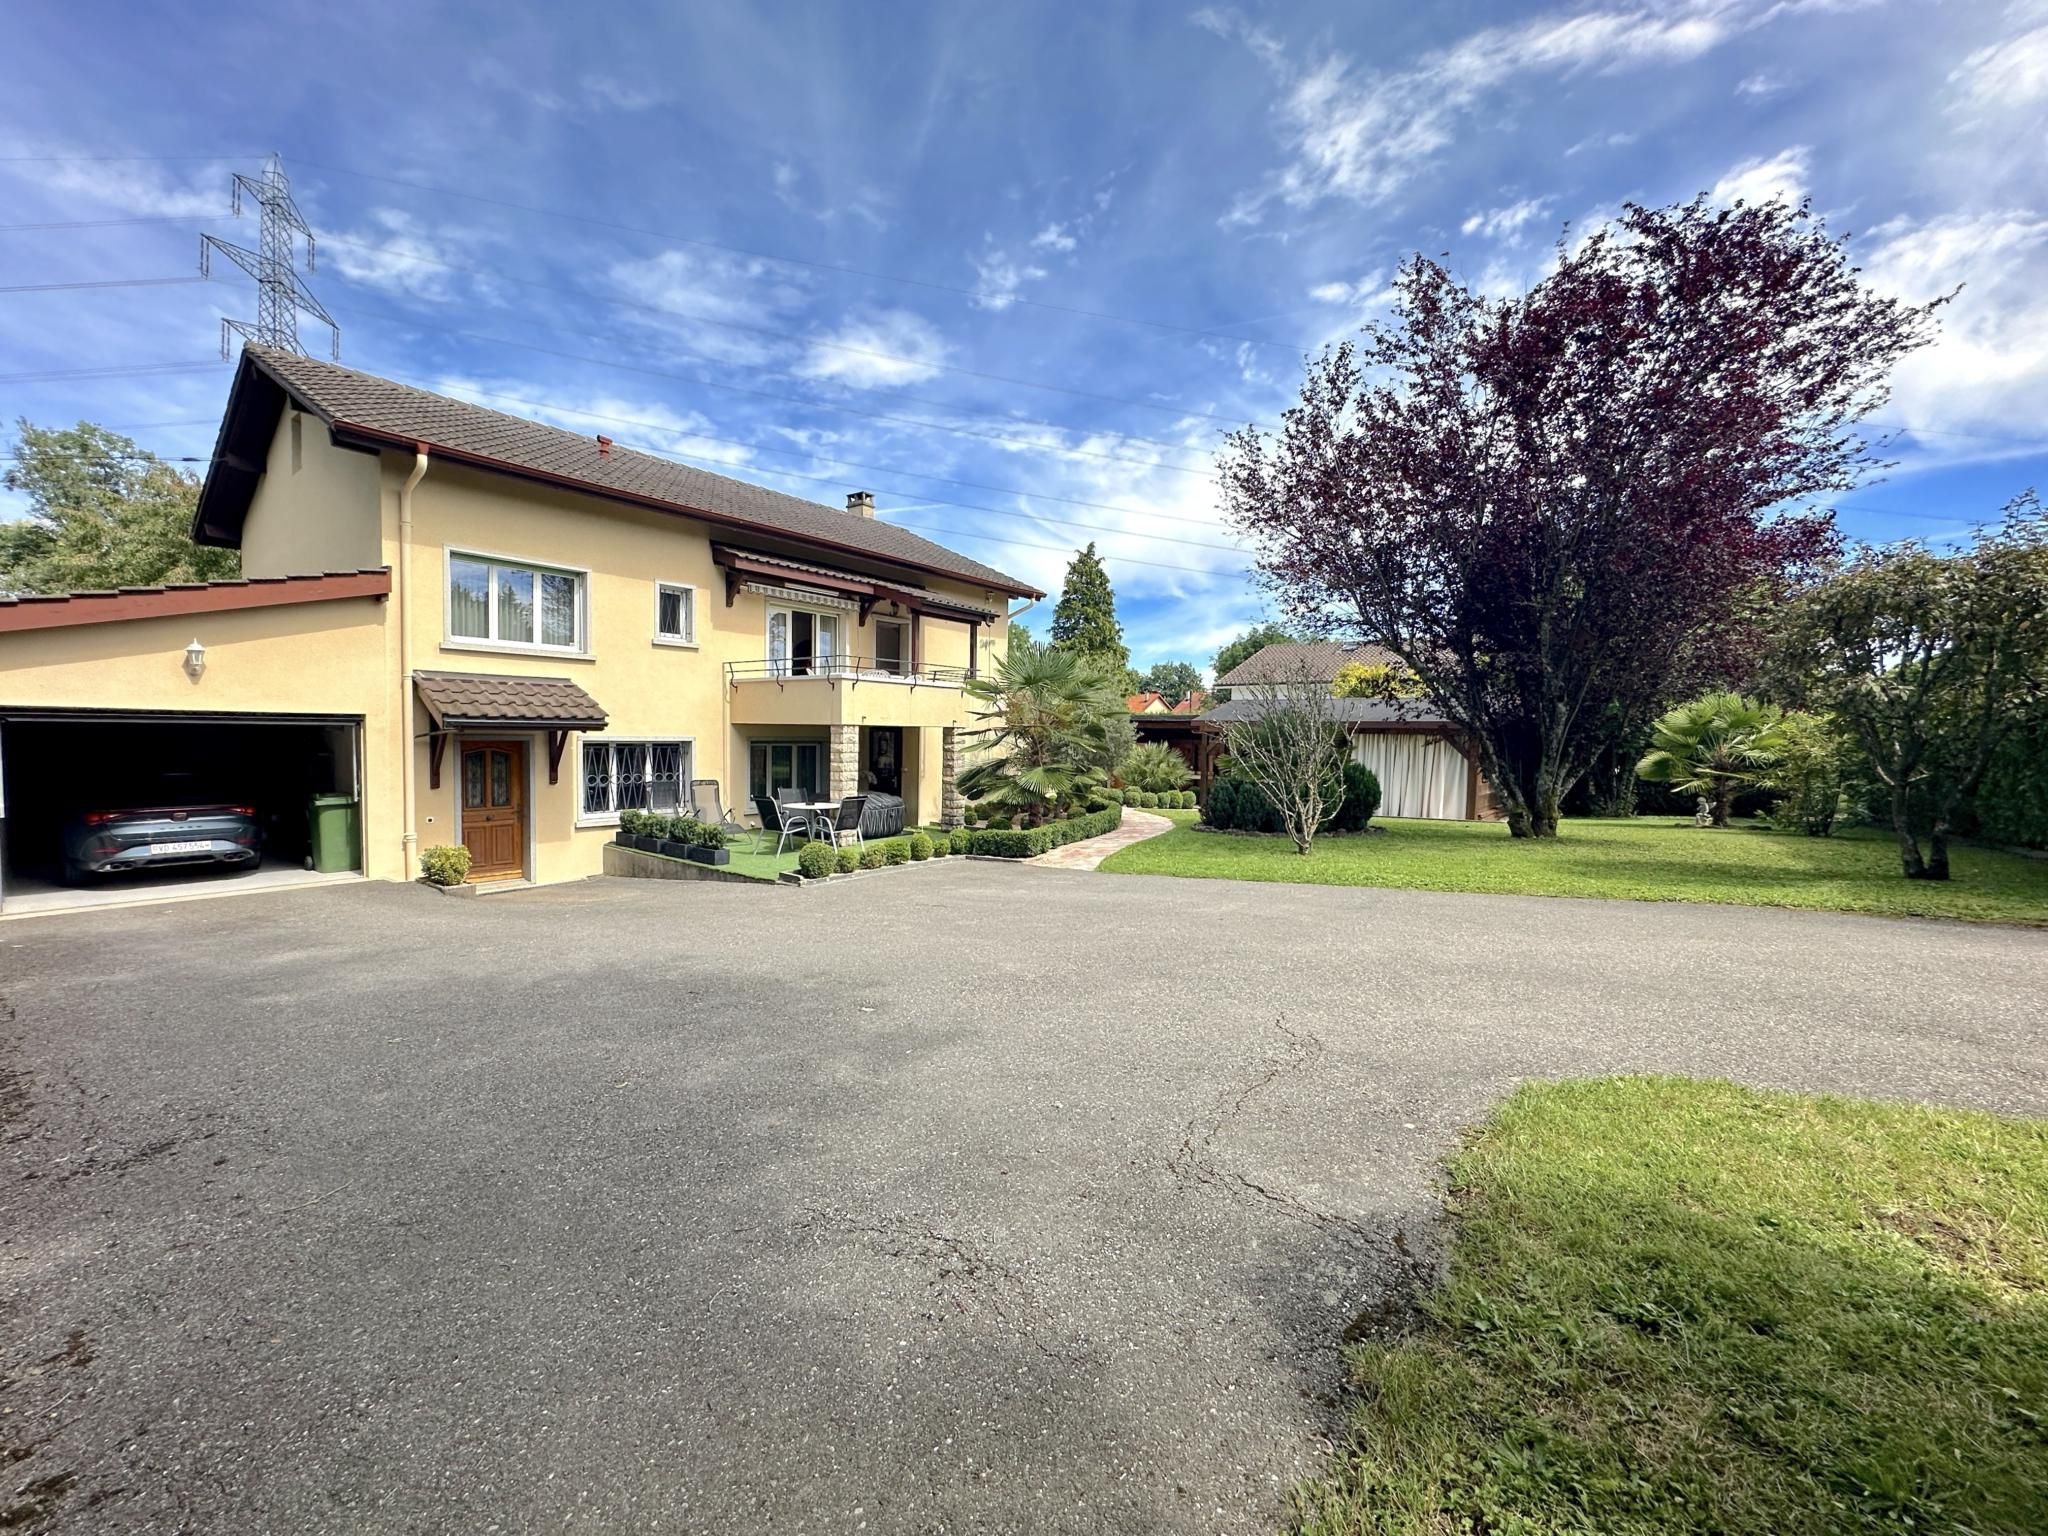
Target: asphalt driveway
{"x": 963, "y": 1199}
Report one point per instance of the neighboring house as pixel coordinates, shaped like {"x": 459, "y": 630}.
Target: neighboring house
{"x": 1425, "y": 768}
{"x": 500, "y": 633}
{"x": 1157, "y": 704}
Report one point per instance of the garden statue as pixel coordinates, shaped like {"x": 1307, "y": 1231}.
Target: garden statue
{"x": 1703, "y": 816}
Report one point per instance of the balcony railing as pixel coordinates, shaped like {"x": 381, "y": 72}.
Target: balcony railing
{"x": 850, "y": 669}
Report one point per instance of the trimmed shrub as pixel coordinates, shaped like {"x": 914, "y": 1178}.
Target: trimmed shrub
{"x": 445, "y": 865}
{"x": 814, "y": 861}
{"x": 708, "y": 834}
{"x": 634, "y": 823}
{"x": 847, "y": 860}
{"x": 1111, "y": 796}
{"x": 942, "y": 844}
{"x": 1029, "y": 842}
{"x": 963, "y": 840}
{"x": 896, "y": 851}
{"x": 1238, "y": 805}
{"x": 920, "y": 847}
{"x": 1361, "y": 799}
{"x": 871, "y": 857}
{"x": 998, "y": 823}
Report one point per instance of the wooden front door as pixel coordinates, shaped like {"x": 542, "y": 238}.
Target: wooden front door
{"x": 494, "y": 808}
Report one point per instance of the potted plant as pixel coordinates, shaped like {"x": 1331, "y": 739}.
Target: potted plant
{"x": 674, "y": 833}
{"x": 633, "y": 832}
{"x": 707, "y": 843}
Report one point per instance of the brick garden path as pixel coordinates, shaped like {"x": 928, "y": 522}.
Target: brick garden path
{"x": 1136, "y": 827}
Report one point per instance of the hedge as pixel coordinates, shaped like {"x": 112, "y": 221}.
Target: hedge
{"x": 814, "y": 861}
{"x": 1029, "y": 843}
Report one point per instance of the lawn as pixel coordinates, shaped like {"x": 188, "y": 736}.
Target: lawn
{"x": 1679, "y": 1307}
{"x": 1646, "y": 859}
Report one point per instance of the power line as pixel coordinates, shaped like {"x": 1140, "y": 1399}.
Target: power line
{"x": 95, "y": 159}
{"x": 886, "y": 469}
{"x": 104, "y": 282}
{"x": 782, "y": 335}
{"x": 808, "y": 404}
{"x": 121, "y": 371}
{"x": 796, "y": 261}
{"x": 146, "y": 218}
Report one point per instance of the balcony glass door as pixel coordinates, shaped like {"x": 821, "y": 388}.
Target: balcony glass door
{"x": 802, "y": 643}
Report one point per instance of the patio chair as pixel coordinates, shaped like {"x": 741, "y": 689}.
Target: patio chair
{"x": 851, "y": 809}
{"x": 773, "y": 820}
{"x": 706, "y": 805}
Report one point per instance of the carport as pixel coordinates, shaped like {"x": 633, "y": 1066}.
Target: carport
{"x": 56, "y": 766}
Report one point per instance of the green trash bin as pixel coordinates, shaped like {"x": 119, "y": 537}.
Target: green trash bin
{"x": 333, "y": 841}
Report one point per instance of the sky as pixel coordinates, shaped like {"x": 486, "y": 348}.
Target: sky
{"x": 1014, "y": 269}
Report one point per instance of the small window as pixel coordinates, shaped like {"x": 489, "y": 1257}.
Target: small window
{"x": 675, "y": 613}
{"x": 892, "y": 650}
{"x": 504, "y": 604}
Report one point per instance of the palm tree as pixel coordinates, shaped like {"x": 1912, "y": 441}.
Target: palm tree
{"x": 1715, "y": 746}
{"x": 1048, "y": 742}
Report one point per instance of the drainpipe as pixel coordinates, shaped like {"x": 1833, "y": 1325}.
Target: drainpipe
{"x": 408, "y": 772}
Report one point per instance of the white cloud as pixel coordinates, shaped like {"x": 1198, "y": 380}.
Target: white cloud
{"x": 2010, "y": 74}
{"x": 1506, "y": 224}
{"x": 1054, "y": 237}
{"x": 1601, "y": 141}
{"x": 1986, "y": 379}
{"x": 1369, "y": 289}
{"x": 999, "y": 279}
{"x": 884, "y": 347}
{"x": 1763, "y": 83}
{"x": 710, "y": 299}
{"x": 648, "y": 425}
{"x": 605, "y": 90}
{"x": 1781, "y": 177}
{"x": 133, "y": 189}
{"x": 396, "y": 255}
{"x": 1362, "y": 134}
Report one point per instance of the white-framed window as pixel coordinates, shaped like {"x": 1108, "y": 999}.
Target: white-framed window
{"x": 495, "y": 601}
{"x": 675, "y": 613}
{"x": 640, "y": 775}
{"x": 773, "y": 765}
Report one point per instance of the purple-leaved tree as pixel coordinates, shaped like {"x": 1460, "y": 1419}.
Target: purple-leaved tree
{"x": 1563, "y": 509}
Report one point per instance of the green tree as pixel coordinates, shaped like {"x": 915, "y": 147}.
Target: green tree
{"x": 1085, "y": 620}
{"x": 1932, "y": 662}
{"x": 102, "y": 513}
{"x": 1048, "y": 743}
{"x": 1173, "y": 681}
{"x": 1714, "y": 747}
{"x": 1375, "y": 680}
{"x": 1237, "y": 652}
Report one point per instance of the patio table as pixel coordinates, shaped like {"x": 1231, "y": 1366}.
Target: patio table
{"x": 818, "y": 812}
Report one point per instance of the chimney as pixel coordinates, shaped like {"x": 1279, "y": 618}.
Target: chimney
{"x": 604, "y": 446}
{"x": 861, "y": 503}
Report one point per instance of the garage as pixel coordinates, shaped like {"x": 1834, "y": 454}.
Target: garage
{"x": 66, "y": 777}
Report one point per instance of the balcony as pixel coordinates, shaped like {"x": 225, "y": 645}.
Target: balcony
{"x": 845, "y": 690}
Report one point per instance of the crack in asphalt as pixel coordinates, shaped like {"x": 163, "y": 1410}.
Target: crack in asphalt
{"x": 959, "y": 1272}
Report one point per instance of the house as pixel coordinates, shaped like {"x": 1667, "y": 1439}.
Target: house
{"x": 1425, "y": 767}
{"x": 1150, "y": 703}
{"x": 495, "y": 632}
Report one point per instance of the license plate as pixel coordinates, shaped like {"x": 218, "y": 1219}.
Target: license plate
{"x": 158, "y": 849}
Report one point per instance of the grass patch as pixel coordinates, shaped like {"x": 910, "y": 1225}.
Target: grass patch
{"x": 1679, "y": 1306}
{"x": 1646, "y": 859}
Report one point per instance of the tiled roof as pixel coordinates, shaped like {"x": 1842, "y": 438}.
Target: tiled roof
{"x": 1344, "y": 711}
{"x": 1306, "y": 661}
{"x": 399, "y": 414}
{"x": 54, "y": 610}
{"x": 481, "y": 698}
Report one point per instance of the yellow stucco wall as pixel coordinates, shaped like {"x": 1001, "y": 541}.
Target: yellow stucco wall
{"x": 302, "y": 658}
{"x": 315, "y": 508}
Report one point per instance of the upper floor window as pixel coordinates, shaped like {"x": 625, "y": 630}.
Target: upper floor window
{"x": 497, "y": 602}
{"x": 675, "y": 613}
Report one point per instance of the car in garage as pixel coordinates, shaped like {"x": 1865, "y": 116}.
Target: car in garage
{"x": 169, "y": 835}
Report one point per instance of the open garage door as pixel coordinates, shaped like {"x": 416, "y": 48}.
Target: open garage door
{"x": 61, "y": 770}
